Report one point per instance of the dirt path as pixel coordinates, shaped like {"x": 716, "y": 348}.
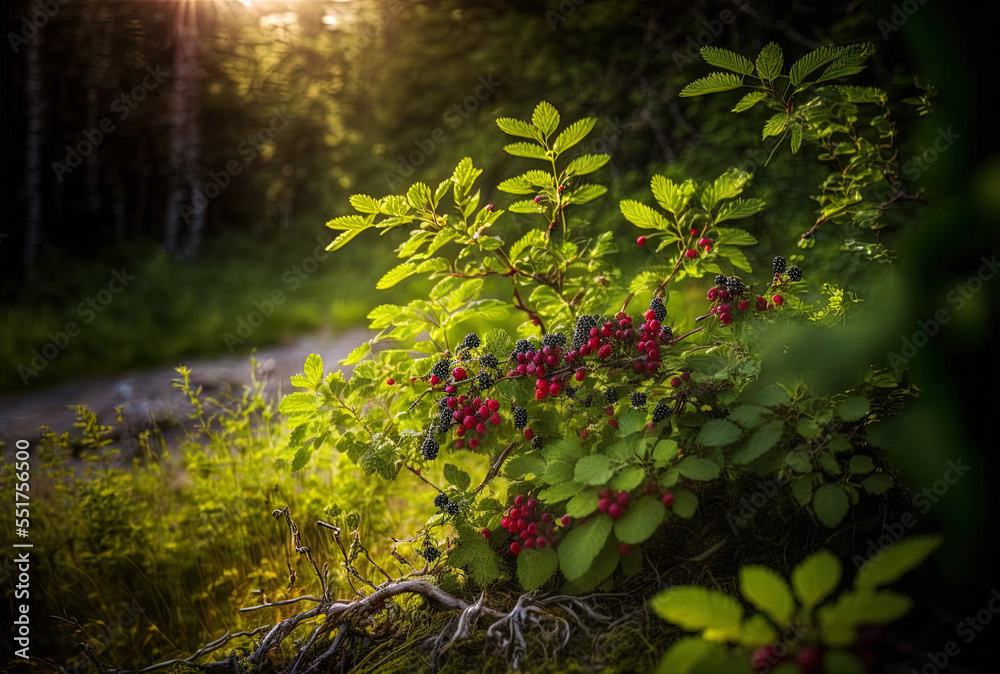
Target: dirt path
{"x": 148, "y": 395}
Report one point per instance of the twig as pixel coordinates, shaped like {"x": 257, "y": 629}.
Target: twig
{"x": 495, "y": 468}
{"x": 207, "y": 648}
{"x": 283, "y": 602}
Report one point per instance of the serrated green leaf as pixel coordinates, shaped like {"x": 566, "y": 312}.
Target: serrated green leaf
{"x": 768, "y": 592}
{"x": 749, "y": 100}
{"x": 535, "y": 567}
{"x": 557, "y": 472}
{"x": 594, "y": 469}
{"x": 770, "y": 62}
{"x": 718, "y": 433}
{"x": 895, "y": 562}
{"x": 545, "y": 118}
{"x": 457, "y": 476}
{"x": 628, "y": 479}
{"x": 796, "y": 141}
{"x": 815, "y": 577}
{"x": 723, "y": 58}
{"x": 854, "y": 408}
{"x": 695, "y": 468}
{"x": 573, "y": 134}
{"x": 631, "y": 421}
{"x": 641, "y": 215}
{"x": 669, "y": 195}
{"x": 583, "y": 503}
{"x": 809, "y": 63}
{"x": 516, "y": 185}
{"x": 581, "y": 545}
{"x": 861, "y": 464}
{"x": 586, "y": 163}
{"x": 665, "y": 450}
{"x": 586, "y": 193}
{"x": 528, "y": 150}
{"x": 763, "y": 439}
{"x": 685, "y": 504}
{"x": 313, "y": 369}
{"x": 697, "y": 608}
{"x": 775, "y": 125}
{"x": 359, "y": 352}
{"x": 711, "y": 84}
{"x": 863, "y": 607}
{"x": 640, "y": 520}
{"x": 299, "y": 402}
{"x": 473, "y": 551}
{"x": 516, "y": 127}
{"x": 831, "y": 504}
{"x": 302, "y": 456}
{"x": 878, "y": 483}
{"x": 757, "y": 631}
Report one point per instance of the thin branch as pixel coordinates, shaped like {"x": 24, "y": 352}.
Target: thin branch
{"x": 283, "y": 602}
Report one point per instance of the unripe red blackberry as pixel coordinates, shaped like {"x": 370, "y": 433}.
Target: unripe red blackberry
{"x": 637, "y": 399}
{"x": 624, "y": 549}
{"x": 794, "y": 273}
{"x": 778, "y": 264}
{"x": 515, "y": 548}
{"x": 656, "y": 304}
{"x": 661, "y": 411}
{"x": 690, "y": 254}
{"x": 528, "y": 434}
{"x": 641, "y": 241}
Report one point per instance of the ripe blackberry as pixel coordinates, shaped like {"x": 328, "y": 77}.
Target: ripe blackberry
{"x": 441, "y": 501}
{"x": 581, "y": 333}
{"x": 462, "y": 355}
{"x": 443, "y": 402}
{"x": 520, "y": 418}
{"x": 661, "y": 411}
{"x": 656, "y": 304}
{"x": 778, "y": 264}
{"x": 429, "y": 448}
{"x": 735, "y": 286}
{"x": 445, "y": 421}
{"x": 556, "y": 339}
{"x": 442, "y": 368}
{"x": 452, "y": 508}
{"x": 611, "y": 395}
{"x": 471, "y": 341}
{"x": 588, "y": 401}
{"x": 666, "y": 333}
{"x": 489, "y": 360}
{"x": 637, "y": 399}
{"x": 537, "y": 442}
{"x": 484, "y": 380}
{"x": 522, "y": 346}
{"x": 720, "y": 279}
{"x": 571, "y": 392}
{"x": 794, "y": 273}
{"x": 430, "y": 553}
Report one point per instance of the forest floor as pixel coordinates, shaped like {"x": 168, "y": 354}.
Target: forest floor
{"x": 148, "y": 396}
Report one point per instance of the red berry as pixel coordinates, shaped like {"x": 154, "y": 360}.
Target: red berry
{"x": 708, "y": 249}
{"x": 691, "y": 253}
{"x": 435, "y": 380}
{"x": 624, "y": 499}
{"x": 529, "y": 542}
{"x": 613, "y": 423}
{"x": 650, "y": 488}
{"x": 484, "y": 411}
{"x": 743, "y": 305}
{"x": 778, "y": 299}
{"x": 712, "y": 294}
{"x": 555, "y": 390}
{"x": 604, "y": 493}
{"x": 459, "y": 373}
{"x": 453, "y": 402}
{"x": 469, "y": 421}
{"x": 725, "y": 318}
{"x": 580, "y": 374}
{"x": 604, "y": 504}
{"x": 566, "y": 520}
{"x": 686, "y": 376}
{"x": 641, "y": 241}
{"x": 519, "y": 500}
{"x": 417, "y": 471}
{"x": 473, "y": 443}
{"x": 413, "y": 380}
{"x": 485, "y": 532}
{"x": 616, "y": 511}
{"x": 763, "y": 658}
{"x": 675, "y": 382}
{"x": 546, "y": 517}
{"x": 810, "y": 660}
{"x": 541, "y": 542}
{"x": 515, "y": 548}
{"x": 461, "y": 443}
{"x": 528, "y": 434}
{"x": 495, "y": 418}
{"x": 694, "y": 232}
{"x": 668, "y": 499}
{"x": 705, "y": 242}
{"x": 532, "y": 502}
{"x": 624, "y": 549}
{"x": 390, "y": 381}
{"x": 604, "y": 352}
{"x": 649, "y": 315}
{"x": 532, "y": 529}
{"x": 505, "y": 522}
{"x": 493, "y": 404}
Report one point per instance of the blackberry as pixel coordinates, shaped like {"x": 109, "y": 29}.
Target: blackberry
{"x": 556, "y": 339}
{"x": 442, "y": 368}
{"x": 571, "y": 392}
{"x": 445, "y": 421}
{"x": 489, "y": 360}
{"x": 471, "y": 341}
{"x": 537, "y": 442}
{"x": 441, "y": 501}
{"x": 661, "y": 411}
{"x": 581, "y": 333}
{"x": 611, "y": 395}
{"x": 666, "y": 333}
{"x": 720, "y": 279}
{"x": 778, "y": 264}
{"x": 588, "y": 401}
{"x": 451, "y": 508}
{"x": 430, "y": 553}
{"x": 429, "y": 448}
{"x": 523, "y": 346}
{"x": 484, "y": 380}
{"x": 443, "y": 402}
{"x": 656, "y": 304}
{"x": 735, "y": 286}
{"x": 462, "y": 354}
{"x": 520, "y": 418}
{"x": 637, "y": 399}
{"x": 795, "y": 273}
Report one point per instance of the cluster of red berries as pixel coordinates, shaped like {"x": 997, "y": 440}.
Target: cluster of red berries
{"x": 475, "y": 416}
{"x": 534, "y": 528}
{"x": 613, "y": 502}
{"x": 809, "y": 659}
{"x": 541, "y": 363}
{"x": 653, "y": 488}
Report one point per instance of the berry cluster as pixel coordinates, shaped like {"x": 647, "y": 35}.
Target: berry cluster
{"x": 778, "y": 266}
{"x": 613, "y": 502}
{"x": 444, "y": 504}
{"x": 541, "y": 363}
{"x": 429, "y": 552}
{"x": 534, "y": 528}
{"x": 661, "y": 411}
{"x": 472, "y": 416}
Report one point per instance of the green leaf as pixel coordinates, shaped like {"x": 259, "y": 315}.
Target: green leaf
{"x": 563, "y": 449}
{"x": 735, "y": 237}
{"x": 515, "y": 127}
{"x": 642, "y": 215}
{"x": 349, "y": 223}
{"x": 796, "y": 141}
{"x": 815, "y": 577}
{"x": 831, "y": 504}
{"x": 718, "y": 433}
{"x": 313, "y": 370}
{"x": 583, "y": 503}
{"x": 631, "y": 421}
{"x": 581, "y": 545}
{"x": 768, "y": 592}
{"x": 769, "y": 62}
{"x": 893, "y": 563}
{"x": 557, "y": 472}
{"x": 798, "y": 461}
{"x": 802, "y": 489}
{"x": 604, "y": 565}
{"x": 809, "y": 63}
{"x": 669, "y": 195}
{"x": 457, "y": 476}
{"x": 545, "y": 118}
{"x": 665, "y": 450}
{"x": 757, "y": 631}
{"x": 842, "y": 662}
{"x": 585, "y": 194}
{"x": 515, "y": 185}
{"x": 685, "y": 504}
{"x": 850, "y": 61}
{"x": 302, "y": 456}
{"x": 529, "y": 150}
{"x": 861, "y": 464}
{"x": 299, "y": 402}
{"x": 640, "y": 520}
{"x": 723, "y": 58}
{"x": 697, "y": 608}
{"x": 749, "y": 100}
{"x": 854, "y": 408}
{"x": 474, "y": 552}
{"x": 628, "y": 479}
{"x": 712, "y": 84}
{"x": 586, "y": 163}
{"x": 535, "y": 567}
{"x": 775, "y": 125}
{"x": 594, "y": 469}
{"x": 573, "y": 134}
{"x": 533, "y": 238}
{"x": 692, "y": 655}
{"x": 698, "y": 469}
{"x": 763, "y": 439}
{"x": 879, "y": 483}
{"x": 840, "y": 620}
